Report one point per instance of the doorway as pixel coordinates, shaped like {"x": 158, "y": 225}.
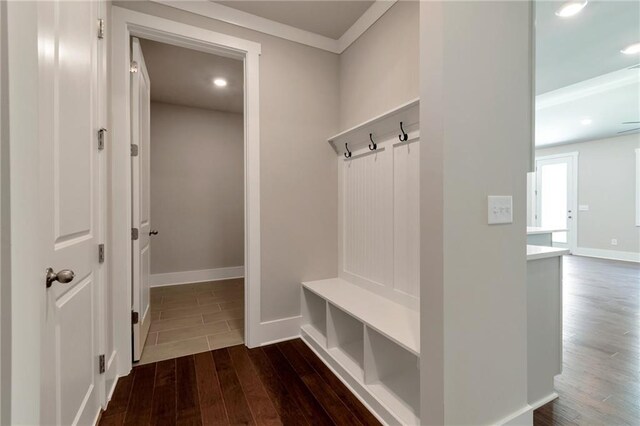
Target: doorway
{"x": 187, "y": 201}
{"x": 127, "y": 25}
{"x": 556, "y": 197}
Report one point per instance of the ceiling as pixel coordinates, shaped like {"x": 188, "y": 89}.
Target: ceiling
{"x": 328, "y": 18}
{"x": 581, "y": 73}
{"x": 185, "y": 77}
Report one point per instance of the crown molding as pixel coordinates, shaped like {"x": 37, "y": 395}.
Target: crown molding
{"x": 233, "y": 16}
{"x": 368, "y": 18}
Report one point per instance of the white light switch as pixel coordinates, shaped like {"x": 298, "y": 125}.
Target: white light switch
{"x": 500, "y": 209}
{"x": 583, "y": 207}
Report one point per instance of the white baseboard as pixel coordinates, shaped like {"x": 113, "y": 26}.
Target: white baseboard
{"x": 522, "y": 417}
{"x": 188, "y": 277}
{"x": 627, "y": 256}
{"x": 279, "y": 330}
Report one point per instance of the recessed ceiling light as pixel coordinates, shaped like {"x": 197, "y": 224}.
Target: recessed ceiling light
{"x": 631, "y": 49}
{"x": 571, "y": 8}
{"x": 585, "y": 121}
{"x": 220, "y": 82}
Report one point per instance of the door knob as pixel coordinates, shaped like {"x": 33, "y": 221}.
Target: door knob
{"x": 63, "y": 277}
{"x": 154, "y": 232}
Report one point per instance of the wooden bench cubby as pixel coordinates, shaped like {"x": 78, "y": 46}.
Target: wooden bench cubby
{"x": 371, "y": 343}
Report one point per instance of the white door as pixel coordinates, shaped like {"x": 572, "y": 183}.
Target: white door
{"x": 140, "y": 169}
{"x": 69, "y": 166}
{"x": 556, "y": 197}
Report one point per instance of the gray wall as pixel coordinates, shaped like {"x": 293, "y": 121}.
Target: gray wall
{"x": 298, "y": 111}
{"x": 606, "y": 183}
{"x": 475, "y": 108}
{"x": 197, "y": 189}
{"x": 379, "y": 71}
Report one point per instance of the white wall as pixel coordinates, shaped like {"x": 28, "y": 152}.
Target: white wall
{"x": 476, "y": 103}
{"x": 298, "y": 111}
{"x": 379, "y": 71}
{"x": 4, "y": 241}
{"x": 606, "y": 183}
{"x": 197, "y": 189}
{"x": 27, "y": 298}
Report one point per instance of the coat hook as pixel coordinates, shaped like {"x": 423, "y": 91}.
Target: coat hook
{"x": 403, "y": 137}
{"x": 372, "y": 145}
{"x": 348, "y": 153}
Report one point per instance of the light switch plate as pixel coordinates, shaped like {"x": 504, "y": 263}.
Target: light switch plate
{"x": 583, "y": 207}
{"x": 500, "y": 209}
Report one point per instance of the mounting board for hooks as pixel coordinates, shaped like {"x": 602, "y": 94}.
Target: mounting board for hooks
{"x": 383, "y": 127}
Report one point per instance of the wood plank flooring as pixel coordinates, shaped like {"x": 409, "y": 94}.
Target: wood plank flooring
{"x": 281, "y": 384}
{"x": 287, "y": 384}
{"x": 600, "y": 382}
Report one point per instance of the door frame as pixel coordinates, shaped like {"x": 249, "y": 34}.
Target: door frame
{"x": 127, "y": 24}
{"x": 572, "y": 176}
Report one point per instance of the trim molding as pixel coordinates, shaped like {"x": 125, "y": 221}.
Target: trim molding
{"x": 627, "y": 256}
{"x": 203, "y": 275}
{"x": 523, "y": 416}
{"x": 280, "y": 330}
{"x": 368, "y": 18}
{"x": 233, "y": 16}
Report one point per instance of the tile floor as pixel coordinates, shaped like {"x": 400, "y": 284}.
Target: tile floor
{"x": 191, "y": 318}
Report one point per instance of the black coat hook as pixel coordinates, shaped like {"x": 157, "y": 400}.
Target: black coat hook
{"x": 403, "y": 137}
{"x": 348, "y": 153}
{"x": 372, "y": 145}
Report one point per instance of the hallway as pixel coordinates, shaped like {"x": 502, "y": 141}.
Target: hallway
{"x": 283, "y": 383}
{"x": 600, "y": 382}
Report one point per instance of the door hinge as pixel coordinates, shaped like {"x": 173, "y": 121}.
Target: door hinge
{"x": 133, "y": 67}
{"x": 100, "y": 28}
{"x": 101, "y": 137}
{"x": 134, "y": 233}
{"x": 134, "y": 150}
{"x": 101, "y": 253}
{"x": 101, "y": 364}
{"x": 134, "y": 317}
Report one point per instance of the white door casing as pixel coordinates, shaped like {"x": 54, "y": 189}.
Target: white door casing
{"x": 140, "y": 201}
{"x": 69, "y": 170}
{"x": 127, "y": 24}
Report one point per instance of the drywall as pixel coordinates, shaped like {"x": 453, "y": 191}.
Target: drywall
{"x": 298, "y": 111}
{"x": 606, "y": 183}
{"x": 197, "y": 188}
{"x": 379, "y": 71}
{"x": 476, "y": 132}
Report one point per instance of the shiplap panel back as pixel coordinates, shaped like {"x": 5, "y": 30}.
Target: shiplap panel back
{"x": 406, "y": 218}
{"x": 380, "y": 220}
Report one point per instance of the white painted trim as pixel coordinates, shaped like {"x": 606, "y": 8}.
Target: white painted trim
{"x": 637, "y": 186}
{"x": 233, "y": 16}
{"x": 125, "y": 24}
{"x": 542, "y": 401}
{"x": 280, "y": 330}
{"x": 627, "y": 256}
{"x": 521, "y": 417}
{"x": 198, "y": 276}
{"x": 368, "y": 18}
{"x": 382, "y": 413}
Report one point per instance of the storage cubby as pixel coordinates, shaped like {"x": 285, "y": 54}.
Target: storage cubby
{"x": 391, "y": 374}
{"x": 345, "y": 340}
{"x": 314, "y": 314}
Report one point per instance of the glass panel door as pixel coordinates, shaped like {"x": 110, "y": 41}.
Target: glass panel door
{"x": 556, "y": 198}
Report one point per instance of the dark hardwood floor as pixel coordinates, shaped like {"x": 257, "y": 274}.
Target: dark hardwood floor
{"x": 600, "y": 382}
{"x": 285, "y": 383}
